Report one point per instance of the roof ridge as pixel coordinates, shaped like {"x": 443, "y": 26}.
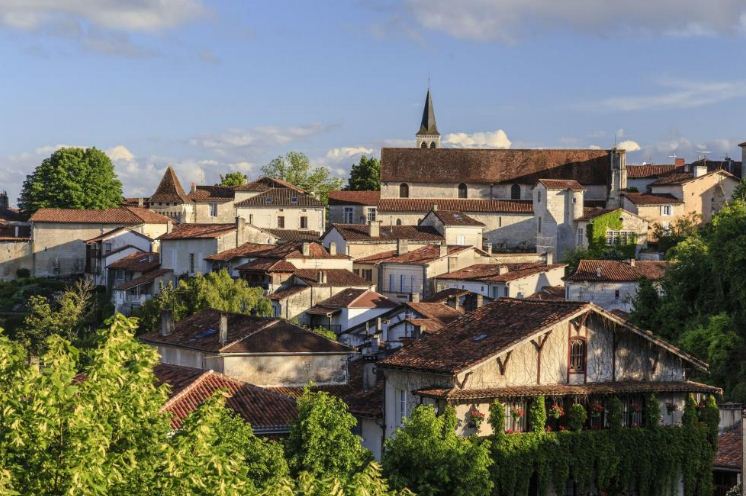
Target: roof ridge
{"x": 188, "y": 389}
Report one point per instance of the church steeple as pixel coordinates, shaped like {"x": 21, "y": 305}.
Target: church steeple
{"x": 428, "y": 135}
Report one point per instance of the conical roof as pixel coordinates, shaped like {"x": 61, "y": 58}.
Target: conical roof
{"x": 428, "y": 125}
{"x": 169, "y": 190}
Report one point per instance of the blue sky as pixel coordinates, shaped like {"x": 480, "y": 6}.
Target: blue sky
{"x": 217, "y": 86}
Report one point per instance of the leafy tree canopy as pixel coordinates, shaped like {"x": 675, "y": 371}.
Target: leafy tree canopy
{"x": 235, "y": 178}
{"x": 427, "y": 456}
{"x": 365, "y": 175}
{"x": 295, "y": 167}
{"x": 72, "y": 178}
{"x": 669, "y": 236}
{"x": 217, "y": 290}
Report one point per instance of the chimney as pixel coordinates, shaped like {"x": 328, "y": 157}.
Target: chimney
{"x": 598, "y": 272}
{"x": 370, "y": 376}
{"x": 374, "y": 229}
{"x": 480, "y": 300}
{"x": 402, "y": 246}
{"x": 549, "y": 257}
{"x": 321, "y": 277}
{"x": 502, "y": 270}
{"x": 379, "y": 326}
{"x": 435, "y": 207}
{"x": 141, "y": 202}
{"x": 415, "y": 297}
{"x": 332, "y": 248}
{"x": 167, "y": 323}
{"x": 306, "y": 248}
{"x": 240, "y": 231}
{"x": 632, "y": 262}
{"x": 223, "y": 331}
{"x": 679, "y": 162}
{"x": 700, "y": 169}
{"x": 488, "y": 247}
{"x": 194, "y": 188}
{"x": 443, "y": 249}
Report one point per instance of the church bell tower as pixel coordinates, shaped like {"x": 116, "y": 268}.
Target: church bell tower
{"x": 428, "y": 135}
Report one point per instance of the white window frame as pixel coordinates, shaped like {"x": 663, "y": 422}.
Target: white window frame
{"x": 372, "y": 212}
{"x": 666, "y": 210}
{"x": 213, "y": 209}
{"x": 347, "y": 215}
{"x": 401, "y": 402}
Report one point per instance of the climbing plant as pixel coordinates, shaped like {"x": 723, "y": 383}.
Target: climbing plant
{"x": 596, "y": 233}
{"x": 537, "y": 414}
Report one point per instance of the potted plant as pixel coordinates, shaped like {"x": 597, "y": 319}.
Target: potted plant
{"x": 556, "y": 411}
{"x": 475, "y": 417}
{"x": 597, "y": 409}
{"x": 516, "y": 413}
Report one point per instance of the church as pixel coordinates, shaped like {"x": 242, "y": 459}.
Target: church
{"x": 527, "y": 199}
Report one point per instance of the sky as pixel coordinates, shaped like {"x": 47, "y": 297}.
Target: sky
{"x": 217, "y": 86}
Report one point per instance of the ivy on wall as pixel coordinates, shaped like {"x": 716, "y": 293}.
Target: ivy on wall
{"x": 596, "y": 232}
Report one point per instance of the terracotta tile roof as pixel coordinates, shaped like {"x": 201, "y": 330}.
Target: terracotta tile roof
{"x": 246, "y": 334}
{"x": 198, "y": 231}
{"x": 245, "y": 250}
{"x": 176, "y": 376}
{"x": 169, "y": 190}
{"x": 618, "y": 271}
{"x": 137, "y": 262}
{"x": 267, "y": 411}
{"x": 647, "y": 171}
{"x": 264, "y": 264}
{"x": 651, "y": 199}
{"x": 447, "y": 294}
{"x": 361, "y": 232}
{"x": 334, "y": 277}
{"x": 114, "y": 232}
{"x": 685, "y": 177}
{"x": 122, "y": 215}
{"x": 280, "y": 197}
{"x": 449, "y": 218}
{"x": 444, "y": 165}
{"x": 601, "y": 388}
{"x": 482, "y": 333}
{"x": 730, "y": 448}
{"x": 549, "y": 293}
{"x": 281, "y": 294}
{"x": 420, "y": 256}
{"x": 727, "y": 165}
{"x": 146, "y": 278}
{"x": 265, "y": 183}
{"x": 438, "y": 314}
{"x": 369, "y": 198}
{"x": 212, "y": 193}
{"x": 351, "y": 298}
{"x": 570, "y": 184}
{"x": 455, "y": 205}
{"x": 295, "y": 250}
{"x": 492, "y": 272}
{"x": 290, "y": 235}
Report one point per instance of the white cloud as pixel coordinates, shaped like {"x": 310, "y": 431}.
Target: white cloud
{"x": 121, "y": 15}
{"x": 509, "y": 20}
{"x": 487, "y": 139}
{"x": 120, "y": 153}
{"x": 680, "y": 94}
{"x": 345, "y": 152}
{"x": 239, "y": 140}
{"x": 628, "y": 145}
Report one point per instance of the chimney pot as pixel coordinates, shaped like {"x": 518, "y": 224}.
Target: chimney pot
{"x": 549, "y": 257}
{"x": 488, "y": 247}
{"x": 223, "y": 331}
{"x": 306, "y": 249}
{"x": 632, "y": 262}
{"x": 402, "y": 246}
{"x": 379, "y": 325}
{"x": 374, "y": 229}
{"x": 332, "y": 248}
{"x": 443, "y": 249}
{"x": 598, "y": 272}
{"x": 193, "y": 188}
{"x": 167, "y": 323}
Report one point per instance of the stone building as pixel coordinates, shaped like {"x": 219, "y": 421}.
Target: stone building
{"x": 501, "y": 280}
{"x": 283, "y": 208}
{"x": 353, "y": 207}
{"x": 135, "y": 279}
{"x": 611, "y": 284}
{"x": 661, "y": 209}
{"x": 702, "y": 193}
{"x": 359, "y": 240}
{"x": 349, "y": 308}
{"x": 612, "y": 227}
{"x": 186, "y": 248}
{"x": 107, "y": 248}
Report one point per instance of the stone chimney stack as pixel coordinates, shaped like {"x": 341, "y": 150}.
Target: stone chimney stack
{"x": 223, "y": 331}
{"x": 374, "y": 229}
{"x": 306, "y": 249}
{"x": 332, "y": 248}
{"x": 443, "y": 249}
{"x": 549, "y": 257}
{"x": 167, "y": 323}
{"x": 480, "y": 300}
{"x": 402, "y": 246}
{"x": 415, "y": 297}
{"x": 632, "y": 262}
{"x": 321, "y": 277}
{"x": 700, "y": 169}
{"x": 240, "y": 231}
{"x": 435, "y": 207}
{"x": 193, "y": 188}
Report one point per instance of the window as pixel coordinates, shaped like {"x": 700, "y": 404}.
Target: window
{"x": 665, "y": 209}
{"x": 505, "y": 291}
{"x": 461, "y": 241}
{"x": 515, "y": 192}
{"x": 401, "y": 405}
{"x": 580, "y": 237}
{"x": 577, "y": 355}
{"x": 213, "y": 209}
{"x": 303, "y": 222}
{"x": 191, "y": 263}
{"x": 281, "y": 222}
{"x": 398, "y": 222}
{"x": 366, "y": 274}
{"x": 107, "y": 247}
{"x": 432, "y": 144}
{"x": 620, "y": 237}
{"x": 616, "y": 294}
{"x": 348, "y": 212}
{"x": 515, "y": 416}
{"x": 462, "y": 191}
{"x": 403, "y": 190}
{"x": 423, "y": 145}
{"x": 371, "y": 214}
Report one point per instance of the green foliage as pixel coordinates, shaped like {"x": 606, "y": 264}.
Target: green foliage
{"x": 497, "y": 418}
{"x": 217, "y": 290}
{"x": 365, "y": 175}
{"x": 327, "y": 333}
{"x": 537, "y": 414}
{"x": 677, "y": 231}
{"x": 616, "y": 413}
{"x": 647, "y": 462}
{"x": 66, "y": 316}
{"x": 72, "y": 178}
{"x": 577, "y": 417}
{"x": 710, "y": 416}
{"x": 616, "y": 252}
{"x": 321, "y": 441}
{"x": 740, "y": 192}
{"x": 645, "y": 305}
{"x": 596, "y": 234}
{"x": 235, "y": 178}
{"x": 690, "y": 418}
{"x": 427, "y": 456}
{"x": 717, "y": 343}
{"x": 296, "y": 168}
{"x": 652, "y": 412}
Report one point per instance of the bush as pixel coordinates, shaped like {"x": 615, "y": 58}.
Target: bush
{"x": 23, "y": 273}
{"x": 497, "y": 417}
{"x": 537, "y": 414}
{"x": 576, "y": 417}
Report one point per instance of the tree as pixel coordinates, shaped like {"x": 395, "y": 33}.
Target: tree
{"x": 235, "y": 178}
{"x": 217, "y": 290}
{"x": 645, "y": 305}
{"x": 321, "y": 441}
{"x": 72, "y": 178}
{"x": 672, "y": 234}
{"x": 365, "y": 175}
{"x": 65, "y": 316}
{"x": 428, "y": 457}
{"x": 295, "y": 167}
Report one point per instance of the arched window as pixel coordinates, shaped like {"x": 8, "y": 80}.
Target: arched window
{"x": 398, "y": 222}
{"x": 423, "y": 145}
{"x": 577, "y": 355}
{"x": 462, "y": 190}
{"x": 515, "y": 192}
{"x": 432, "y": 144}
{"x": 403, "y": 190}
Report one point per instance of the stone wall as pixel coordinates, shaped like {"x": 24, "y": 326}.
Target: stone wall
{"x": 267, "y": 217}
{"x": 14, "y": 255}
{"x": 287, "y": 370}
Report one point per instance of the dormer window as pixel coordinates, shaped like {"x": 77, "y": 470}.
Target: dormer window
{"x": 403, "y": 190}
{"x": 462, "y": 191}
